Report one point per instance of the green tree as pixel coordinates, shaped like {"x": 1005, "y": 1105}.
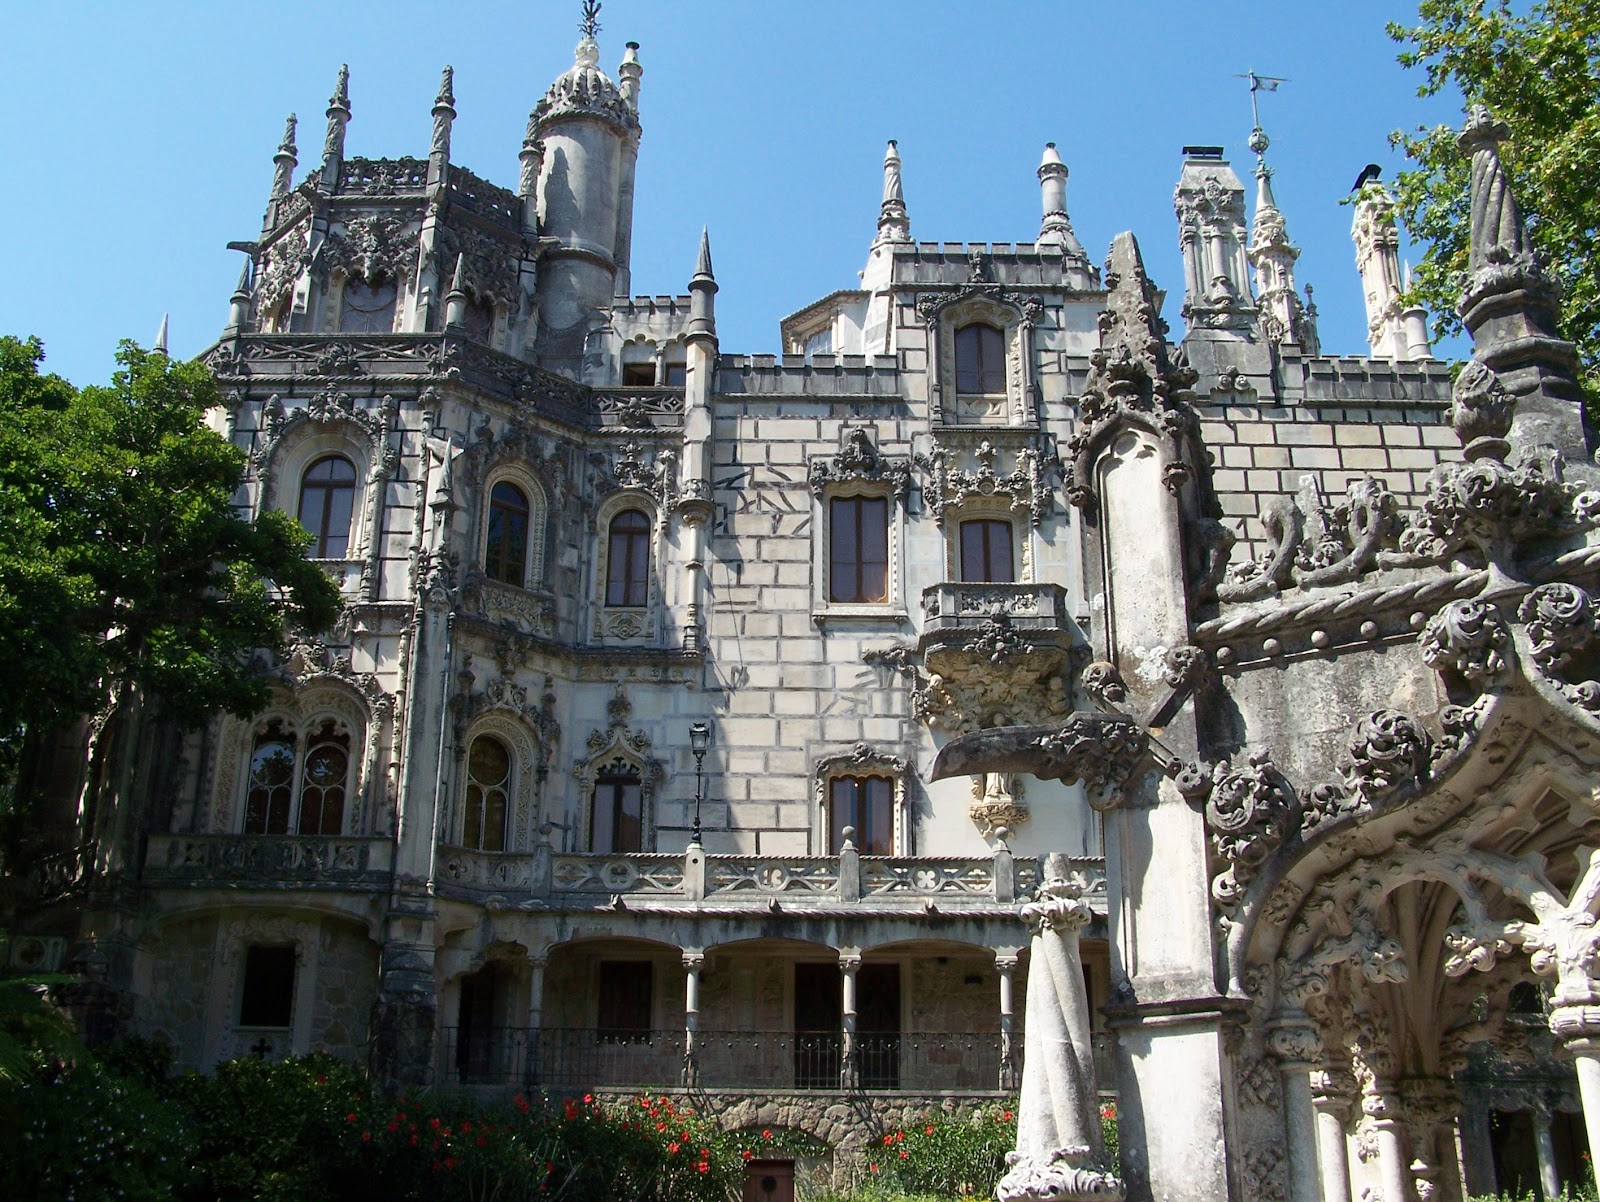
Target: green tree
{"x": 127, "y": 577}
{"x": 1538, "y": 69}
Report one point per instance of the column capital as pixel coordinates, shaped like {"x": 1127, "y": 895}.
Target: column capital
{"x": 1295, "y": 1044}
{"x": 1005, "y": 961}
{"x": 849, "y": 959}
{"x": 693, "y": 959}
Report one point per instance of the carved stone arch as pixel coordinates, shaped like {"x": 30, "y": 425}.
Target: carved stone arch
{"x": 863, "y": 759}
{"x": 638, "y": 625}
{"x": 519, "y": 472}
{"x": 1013, "y": 316}
{"x": 618, "y": 745}
{"x": 528, "y": 757}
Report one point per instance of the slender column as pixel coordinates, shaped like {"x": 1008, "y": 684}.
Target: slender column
{"x": 849, "y": 964}
{"x": 1577, "y": 1025}
{"x": 1544, "y": 1147}
{"x": 1005, "y": 963}
{"x": 1297, "y": 1047}
{"x": 1331, "y": 1094}
{"x": 1477, "y": 1147}
{"x": 693, "y": 960}
{"x": 1380, "y": 1105}
{"x": 536, "y": 967}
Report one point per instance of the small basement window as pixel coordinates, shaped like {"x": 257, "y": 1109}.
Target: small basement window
{"x": 267, "y": 999}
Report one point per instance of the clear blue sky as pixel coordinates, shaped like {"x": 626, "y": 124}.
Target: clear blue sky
{"x": 139, "y": 137}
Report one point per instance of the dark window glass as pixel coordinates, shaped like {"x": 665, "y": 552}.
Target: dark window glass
{"x": 858, "y": 550}
{"x": 628, "y": 560}
{"x": 327, "y": 498}
{"x": 986, "y": 551}
{"x": 626, "y": 987}
{"x": 368, "y": 308}
{"x": 267, "y": 999}
{"x": 638, "y": 375}
{"x": 980, "y": 360}
{"x": 866, "y": 803}
{"x": 271, "y": 793}
{"x": 488, "y": 788}
{"x": 677, "y": 375}
{"x": 323, "y": 783}
{"x": 505, "y": 554}
{"x": 616, "y": 824}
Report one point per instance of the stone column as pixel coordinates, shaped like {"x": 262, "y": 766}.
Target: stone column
{"x": 533, "y": 1068}
{"x": 1578, "y": 1028}
{"x": 1297, "y": 1048}
{"x": 1544, "y": 1147}
{"x": 1059, "y": 1150}
{"x": 693, "y": 960}
{"x": 1477, "y": 1148}
{"x": 1332, "y": 1091}
{"x": 849, "y": 964}
{"x": 1380, "y": 1105}
{"x": 1005, "y": 963}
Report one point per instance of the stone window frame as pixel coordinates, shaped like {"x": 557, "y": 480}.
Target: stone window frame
{"x": 301, "y": 712}
{"x": 294, "y": 454}
{"x": 628, "y": 624}
{"x": 657, "y": 994}
{"x": 234, "y": 939}
{"x": 833, "y": 478}
{"x": 606, "y": 748}
{"x": 522, "y": 817}
{"x": 339, "y": 278}
{"x": 1016, "y": 328}
{"x": 533, "y": 567}
{"x": 862, "y": 760}
{"x": 990, "y": 508}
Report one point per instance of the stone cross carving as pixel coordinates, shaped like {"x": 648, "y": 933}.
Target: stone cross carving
{"x": 1059, "y": 1152}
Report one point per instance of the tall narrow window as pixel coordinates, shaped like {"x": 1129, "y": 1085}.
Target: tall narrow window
{"x": 266, "y": 998}
{"x": 323, "y": 782}
{"x": 271, "y": 794}
{"x": 327, "y": 499}
{"x": 628, "y": 560}
{"x": 980, "y": 360}
{"x": 616, "y": 823}
{"x": 626, "y": 991}
{"x": 505, "y": 553}
{"x": 368, "y": 307}
{"x": 866, "y": 803}
{"x": 858, "y": 550}
{"x": 488, "y": 789}
{"x": 986, "y": 554}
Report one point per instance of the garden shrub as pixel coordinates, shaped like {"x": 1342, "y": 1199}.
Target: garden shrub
{"x": 943, "y": 1155}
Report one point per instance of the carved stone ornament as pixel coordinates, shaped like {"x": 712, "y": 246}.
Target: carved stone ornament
{"x": 1480, "y": 411}
{"x": 1250, "y": 812}
{"x": 1562, "y": 623}
{"x": 492, "y": 265}
{"x": 860, "y": 760}
{"x": 657, "y": 477}
{"x": 1103, "y": 683}
{"x": 1389, "y": 752}
{"x": 1501, "y": 257}
{"x": 1313, "y": 543}
{"x": 948, "y": 489}
{"x": 279, "y": 268}
{"x": 860, "y": 462}
{"x": 584, "y": 90}
{"x": 1493, "y": 508}
{"x": 372, "y": 246}
{"x": 1132, "y": 380}
{"x": 1102, "y": 751}
{"x": 1466, "y": 641}
{"x": 616, "y": 748}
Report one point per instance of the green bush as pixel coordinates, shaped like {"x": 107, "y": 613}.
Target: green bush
{"x": 85, "y": 1134}
{"x": 962, "y": 1156}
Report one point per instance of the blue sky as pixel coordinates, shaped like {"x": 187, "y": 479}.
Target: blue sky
{"x": 139, "y": 138}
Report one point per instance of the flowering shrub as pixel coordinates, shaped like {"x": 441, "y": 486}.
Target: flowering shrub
{"x": 1108, "y": 1133}
{"x": 963, "y": 1156}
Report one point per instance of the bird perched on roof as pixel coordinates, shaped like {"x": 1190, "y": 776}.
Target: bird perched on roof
{"x": 1368, "y": 173}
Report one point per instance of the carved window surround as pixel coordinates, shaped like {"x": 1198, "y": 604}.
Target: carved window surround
{"x": 482, "y": 714}
{"x": 862, "y": 760}
{"x": 962, "y": 481}
{"x": 857, "y": 470}
{"x": 632, "y": 748}
{"x": 627, "y": 625}
{"x": 1015, "y": 316}
{"x": 226, "y": 1039}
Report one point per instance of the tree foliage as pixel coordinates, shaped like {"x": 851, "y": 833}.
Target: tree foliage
{"x": 1538, "y": 69}
{"x": 123, "y": 562}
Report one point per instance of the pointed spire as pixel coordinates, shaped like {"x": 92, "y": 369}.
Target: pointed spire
{"x": 702, "y": 292}
{"x": 1283, "y": 318}
{"x": 455, "y": 301}
{"x": 333, "y": 140}
{"x": 1055, "y": 229}
{"x": 239, "y": 302}
{"x": 444, "y": 113}
{"x": 894, "y": 223}
{"x": 629, "y": 74}
{"x": 286, "y": 160}
{"x": 160, "y": 346}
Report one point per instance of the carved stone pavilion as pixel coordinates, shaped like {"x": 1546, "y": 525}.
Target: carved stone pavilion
{"x": 701, "y": 720}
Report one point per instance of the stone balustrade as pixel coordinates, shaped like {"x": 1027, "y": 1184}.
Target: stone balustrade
{"x": 298, "y": 861}
{"x": 950, "y": 606}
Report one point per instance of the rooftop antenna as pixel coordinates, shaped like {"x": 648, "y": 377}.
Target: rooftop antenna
{"x": 1258, "y": 136}
{"x": 590, "y": 25}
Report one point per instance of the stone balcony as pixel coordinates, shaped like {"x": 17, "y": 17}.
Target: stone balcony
{"x": 1034, "y": 609}
{"x": 269, "y": 861}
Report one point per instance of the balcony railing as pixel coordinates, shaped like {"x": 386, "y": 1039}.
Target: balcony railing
{"x": 571, "y": 1059}
{"x": 1027, "y": 607}
{"x": 301, "y": 860}
{"x": 744, "y": 880}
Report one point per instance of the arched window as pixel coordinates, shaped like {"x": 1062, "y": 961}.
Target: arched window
{"x": 986, "y": 553}
{"x": 616, "y": 821}
{"x": 327, "y": 499}
{"x": 324, "y": 780}
{"x": 368, "y": 308}
{"x": 980, "y": 360}
{"x": 488, "y": 790}
{"x": 505, "y": 552}
{"x": 628, "y": 560}
{"x": 298, "y": 786}
{"x": 858, "y": 550}
{"x": 866, "y": 803}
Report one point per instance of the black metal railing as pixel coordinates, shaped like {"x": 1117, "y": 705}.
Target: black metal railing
{"x": 579, "y": 1058}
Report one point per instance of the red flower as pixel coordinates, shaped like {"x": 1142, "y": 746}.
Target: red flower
{"x": 588, "y": 1098}
{"x": 351, "y": 1117}
{"x": 413, "y": 1141}
{"x": 747, "y": 1154}
{"x": 1006, "y": 1114}
{"x": 366, "y": 1137}
{"x": 928, "y": 1130}
{"x": 661, "y": 1126}
{"x": 482, "y": 1140}
{"x": 672, "y": 1149}
{"x": 872, "y": 1168}
{"x": 887, "y": 1140}
{"x": 322, "y": 1080}
{"x": 519, "y": 1101}
{"x": 1108, "y": 1112}
{"x": 904, "y": 1155}
{"x": 702, "y": 1167}
{"x": 549, "y": 1166}
{"x": 433, "y": 1124}
{"x": 466, "y": 1125}
{"x": 392, "y": 1127}
{"x": 451, "y": 1162}
{"x": 766, "y": 1135}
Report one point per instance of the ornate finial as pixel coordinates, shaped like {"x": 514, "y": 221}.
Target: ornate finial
{"x": 287, "y": 145}
{"x": 1258, "y": 137}
{"x": 447, "y": 93}
{"x": 341, "y": 89}
{"x": 285, "y": 161}
{"x": 702, "y": 266}
{"x": 590, "y": 25}
{"x": 160, "y": 346}
{"x": 894, "y": 222}
{"x": 444, "y": 112}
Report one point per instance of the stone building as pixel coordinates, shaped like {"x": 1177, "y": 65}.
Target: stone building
{"x": 698, "y": 719}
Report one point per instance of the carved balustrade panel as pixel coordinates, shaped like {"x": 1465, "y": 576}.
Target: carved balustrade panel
{"x": 926, "y": 876}
{"x": 510, "y": 872}
{"x": 751, "y": 874}
{"x": 638, "y": 873}
{"x": 267, "y": 859}
{"x": 1028, "y": 606}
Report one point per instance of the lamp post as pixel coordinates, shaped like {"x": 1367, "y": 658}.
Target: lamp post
{"x": 699, "y": 740}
